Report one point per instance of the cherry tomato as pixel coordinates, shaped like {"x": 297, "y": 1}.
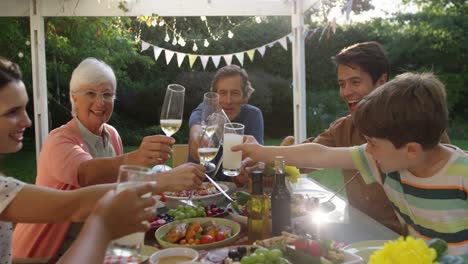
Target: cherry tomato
{"x": 315, "y": 249}
{"x": 206, "y": 239}
{"x": 220, "y": 236}
{"x": 300, "y": 245}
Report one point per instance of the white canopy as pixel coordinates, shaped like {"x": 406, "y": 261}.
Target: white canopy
{"x": 38, "y": 9}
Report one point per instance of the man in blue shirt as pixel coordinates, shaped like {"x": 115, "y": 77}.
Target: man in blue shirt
{"x": 233, "y": 86}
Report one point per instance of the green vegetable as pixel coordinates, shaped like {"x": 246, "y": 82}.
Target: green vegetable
{"x": 449, "y": 259}
{"x": 439, "y": 245}
{"x": 242, "y": 197}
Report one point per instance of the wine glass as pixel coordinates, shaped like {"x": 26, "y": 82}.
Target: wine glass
{"x": 210, "y": 106}
{"x": 172, "y": 110}
{"x": 210, "y": 140}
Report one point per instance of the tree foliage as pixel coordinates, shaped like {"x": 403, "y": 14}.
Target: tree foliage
{"x": 431, "y": 40}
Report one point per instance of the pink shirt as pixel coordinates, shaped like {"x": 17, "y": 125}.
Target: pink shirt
{"x": 59, "y": 160}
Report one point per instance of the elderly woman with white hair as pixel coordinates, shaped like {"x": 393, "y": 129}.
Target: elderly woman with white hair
{"x": 87, "y": 151}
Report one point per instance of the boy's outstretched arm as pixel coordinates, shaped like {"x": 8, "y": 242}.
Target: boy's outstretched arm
{"x": 301, "y": 155}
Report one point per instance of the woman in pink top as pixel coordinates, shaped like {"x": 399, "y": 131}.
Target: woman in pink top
{"x": 87, "y": 151}
{"x": 20, "y": 202}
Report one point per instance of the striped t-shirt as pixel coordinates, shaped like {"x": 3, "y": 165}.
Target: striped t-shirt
{"x": 435, "y": 206}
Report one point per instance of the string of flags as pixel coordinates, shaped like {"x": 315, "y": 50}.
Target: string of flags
{"x": 240, "y": 56}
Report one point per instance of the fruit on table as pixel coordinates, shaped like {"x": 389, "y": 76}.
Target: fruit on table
{"x": 206, "y": 239}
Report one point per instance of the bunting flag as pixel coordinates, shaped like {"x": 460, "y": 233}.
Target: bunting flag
{"x": 216, "y": 59}
{"x": 144, "y": 46}
{"x": 228, "y": 59}
{"x": 283, "y": 43}
{"x": 251, "y": 54}
{"x": 157, "y": 51}
{"x": 240, "y": 57}
{"x": 169, "y": 54}
{"x": 261, "y": 50}
{"x": 180, "y": 58}
{"x": 192, "y": 58}
{"x": 204, "y": 60}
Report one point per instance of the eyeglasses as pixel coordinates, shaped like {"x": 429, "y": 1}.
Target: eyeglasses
{"x": 92, "y": 95}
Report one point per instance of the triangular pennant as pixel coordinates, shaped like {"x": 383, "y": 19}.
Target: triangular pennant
{"x": 169, "y": 54}
{"x": 283, "y": 42}
{"x": 240, "y": 57}
{"x": 144, "y": 45}
{"x": 157, "y": 51}
{"x": 228, "y": 59}
{"x": 180, "y": 58}
{"x": 261, "y": 50}
{"x": 216, "y": 59}
{"x": 192, "y": 58}
{"x": 204, "y": 60}
{"x": 271, "y": 44}
{"x": 251, "y": 54}
{"x": 291, "y": 37}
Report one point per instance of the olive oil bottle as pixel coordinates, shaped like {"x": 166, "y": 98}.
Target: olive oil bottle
{"x": 258, "y": 207}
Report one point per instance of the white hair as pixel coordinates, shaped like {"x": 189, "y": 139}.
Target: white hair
{"x": 90, "y": 71}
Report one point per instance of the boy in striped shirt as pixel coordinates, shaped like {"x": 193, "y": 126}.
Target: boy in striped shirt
{"x": 425, "y": 181}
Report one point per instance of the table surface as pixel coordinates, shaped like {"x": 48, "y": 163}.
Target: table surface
{"x": 346, "y": 223}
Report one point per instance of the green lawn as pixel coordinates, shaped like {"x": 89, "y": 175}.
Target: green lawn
{"x": 22, "y": 165}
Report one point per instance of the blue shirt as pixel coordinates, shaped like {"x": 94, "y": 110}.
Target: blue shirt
{"x": 250, "y": 116}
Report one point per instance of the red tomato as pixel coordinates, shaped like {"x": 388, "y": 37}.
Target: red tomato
{"x": 206, "y": 239}
{"x": 300, "y": 245}
{"x": 315, "y": 249}
{"x": 220, "y": 236}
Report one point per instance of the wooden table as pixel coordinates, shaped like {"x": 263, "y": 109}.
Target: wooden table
{"x": 346, "y": 223}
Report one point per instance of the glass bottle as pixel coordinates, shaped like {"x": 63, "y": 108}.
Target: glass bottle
{"x": 280, "y": 200}
{"x": 258, "y": 207}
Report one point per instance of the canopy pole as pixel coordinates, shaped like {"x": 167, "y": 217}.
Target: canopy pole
{"x": 39, "y": 79}
{"x": 298, "y": 67}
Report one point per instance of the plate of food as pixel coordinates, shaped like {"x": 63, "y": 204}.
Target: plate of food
{"x": 198, "y": 233}
{"x": 206, "y": 194}
{"x": 287, "y": 248}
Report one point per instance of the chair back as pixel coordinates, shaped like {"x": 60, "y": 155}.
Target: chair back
{"x": 179, "y": 154}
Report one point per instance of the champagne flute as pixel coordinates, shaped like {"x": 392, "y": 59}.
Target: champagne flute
{"x": 210, "y": 140}
{"x": 210, "y": 106}
{"x": 172, "y": 110}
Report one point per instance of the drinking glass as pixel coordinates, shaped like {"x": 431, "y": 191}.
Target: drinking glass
{"x": 210, "y": 106}
{"x": 172, "y": 109}
{"x": 233, "y": 134}
{"x": 210, "y": 139}
{"x": 129, "y": 176}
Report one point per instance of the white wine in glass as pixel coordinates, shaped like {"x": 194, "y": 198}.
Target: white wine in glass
{"x": 170, "y": 126}
{"x": 172, "y": 109}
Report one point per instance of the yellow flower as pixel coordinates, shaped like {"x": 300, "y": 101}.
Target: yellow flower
{"x": 293, "y": 173}
{"x": 403, "y": 251}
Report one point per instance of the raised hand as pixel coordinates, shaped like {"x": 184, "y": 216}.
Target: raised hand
{"x": 153, "y": 150}
{"x": 187, "y": 176}
{"x": 123, "y": 213}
